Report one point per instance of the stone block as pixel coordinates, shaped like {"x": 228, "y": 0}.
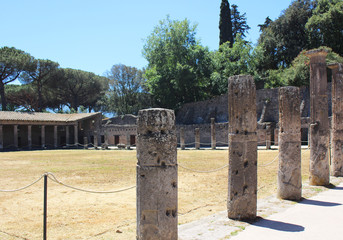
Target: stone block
{"x": 157, "y": 208}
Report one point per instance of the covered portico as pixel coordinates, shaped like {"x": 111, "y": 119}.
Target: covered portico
{"x": 46, "y": 130}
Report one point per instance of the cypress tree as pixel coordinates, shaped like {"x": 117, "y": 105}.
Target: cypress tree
{"x": 225, "y": 24}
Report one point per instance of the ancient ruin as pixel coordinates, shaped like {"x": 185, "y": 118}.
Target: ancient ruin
{"x": 242, "y": 192}
{"x": 289, "y": 174}
{"x": 156, "y": 175}
{"x": 213, "y": 134}
{"x": 319, "y": 126}
{"x": 337, "y": 121}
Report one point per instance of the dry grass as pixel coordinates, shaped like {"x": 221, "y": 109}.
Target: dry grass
{"x": 78, "y": 215}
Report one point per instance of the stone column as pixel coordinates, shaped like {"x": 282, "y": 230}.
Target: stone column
{"x": 319, "y": 125}
{"x": 197, "y": 138}
{"x": 76, "y": 135}
{"x": 67, "y": 136}
{"x": 1, "y": 138}
{"x": 213, "y": 134}
{"x": 276, "y": 137}
{"x": 156, "y": 175}
{"x": 289, "y": 174}
{"x": 15, "y": 134}
{"x": 128, "y": 144}
{"x": 29, "y": 136}
{"x": 182, "y": 138}
{"x": 242, "y": 193}
{"x": 43, "y": 136}
{"x": 55, "y": 136}
{"x": 95, "y": 139}
{"x": 337, "y": 120}
{"x": 106, "y": 140}
{"x": 85, "y": 143}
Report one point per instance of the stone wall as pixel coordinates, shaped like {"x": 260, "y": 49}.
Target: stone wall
{"x": 267, "y": 107}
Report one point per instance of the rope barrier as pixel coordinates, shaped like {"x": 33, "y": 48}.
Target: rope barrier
{"x": 54, "y": 179}
{"x": 19, "y": 189}
{"x": 265, "y": 165}
{"x": 199, "y": 171}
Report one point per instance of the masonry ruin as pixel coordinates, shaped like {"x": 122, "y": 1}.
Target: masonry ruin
{"x": 319, "y": 126}
{"x": 289, "y": 173}
{"x": 242, "y": 192}
{"x": 156, "y": 175}
{"x": 337, "y": 120}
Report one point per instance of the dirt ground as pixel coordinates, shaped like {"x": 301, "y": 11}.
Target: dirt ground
{"x": 78, "y": 215}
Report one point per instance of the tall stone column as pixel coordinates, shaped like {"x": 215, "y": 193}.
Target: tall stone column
{"x": 213, "y": 134}
{"x": 95, "y": 139}
{"x": 1, "y": 138}
{"x": 85, "y": 142}
{"x": 337, "y": 120}
{"x": 67, "y": 135}
{"x": 43, "y": 136}
{"x": 76, "y": 135}
{"x": 182, "y": 138}
{"x": 289, "y": 174}
{"x": 242, "y": 193}
{"x": 128, "y": 142}
{"x": 55, "y": 136}
{"x": 197, "y": 138}
{"x": 15, "y": 134}
{"x": 156, "y": 175}
{"x": 29, "y": 136}
{"x": 319, "y": 125}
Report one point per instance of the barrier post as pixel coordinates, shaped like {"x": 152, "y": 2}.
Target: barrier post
{"x": 45, "y": 205}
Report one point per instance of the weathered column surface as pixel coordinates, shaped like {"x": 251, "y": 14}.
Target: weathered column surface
{"x": 319, "y": 125}
{"x": 15, "y": 134}
{"x": 43, "y": 136}
{"x": 182, "y": 138}
{"x": 289, "y": 174}
{"x": 242, "y": 193}
{"x": 337, "y": 121}
{"x": 213, "y": 134}
{"x": 55, "y": 136}
{"x": 197, "y": 138}
{"x": 1, "y": 138}
{"x": 95, "y": 139}
{"x": 85, "y": 142}
{"x": 76, "y": 135}
{"x": 29, "y": 136}
{"x": 128, "y": 143}
{"x": 156, "y": 175}
{"x": 67, "y": 135}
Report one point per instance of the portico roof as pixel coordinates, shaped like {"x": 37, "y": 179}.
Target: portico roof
{"x": 7, "y": 116}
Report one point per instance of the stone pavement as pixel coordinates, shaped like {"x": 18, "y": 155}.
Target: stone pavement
{"x": 317, "y": 217}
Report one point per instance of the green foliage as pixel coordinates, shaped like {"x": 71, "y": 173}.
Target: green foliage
{"x": 12, "y": 63}
{"x": 283, "y": 39}
{"x": 241, "y": 58}
{"x": 76, "y": 88}
{"x": 326, "y": 25}
{"x": 21, "y": 97}
{"x": 127, "y": 93}
{"x": 225, "y": 23}
{"x": 39, "y": 74}
{"x": 298, "y": 74}
{"x": 179, "y": 67}
{"x": 239, "y": 23}
{"x": 231, "y": 23}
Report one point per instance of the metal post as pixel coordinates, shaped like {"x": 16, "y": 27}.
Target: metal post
{"x": 45, "y": 205}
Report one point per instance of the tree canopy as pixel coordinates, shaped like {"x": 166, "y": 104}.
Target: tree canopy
{"x": 179, "y": 67}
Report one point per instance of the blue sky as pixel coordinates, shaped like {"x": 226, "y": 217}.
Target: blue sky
{"x": 93, "y": 35}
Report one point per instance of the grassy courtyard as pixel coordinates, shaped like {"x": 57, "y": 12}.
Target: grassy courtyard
{"x": 78, "y": 215}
